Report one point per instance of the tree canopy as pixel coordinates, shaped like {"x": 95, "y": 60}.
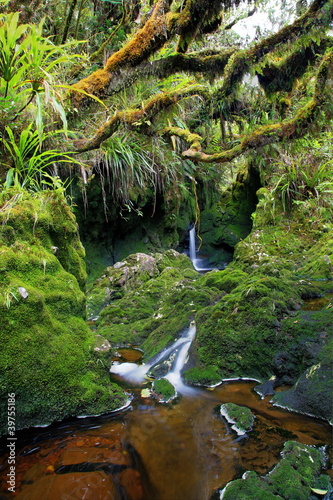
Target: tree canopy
{"x": 172, "y": 70}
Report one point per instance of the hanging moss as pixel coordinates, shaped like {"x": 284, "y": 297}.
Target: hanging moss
{"x": 148, "y": 39}
{"x": 138, "y": 117}
{"x": 240, "y": 62}
{"x": 271, "y": 133}
{"x": 280, "y": 76}
{"x": 206, "y": 64}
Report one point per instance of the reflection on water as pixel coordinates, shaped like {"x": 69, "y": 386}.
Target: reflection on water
{"x": 183, "y": 451}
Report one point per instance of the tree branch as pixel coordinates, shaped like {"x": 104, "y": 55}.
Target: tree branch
{"x": 146, "y": 41}
{"x": 139, "y": 117}
{"x": 161, "y": 26}
{"x": 162, "y": 68}
{"x": 240, "y": 62}
{"x": 268, "y": 134}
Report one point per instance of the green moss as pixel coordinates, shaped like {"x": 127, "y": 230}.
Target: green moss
{"x": 241, "y": 416}
{"x": 319, "y": 259}
{"x": 223, "y": 280}
{"x": 252, "y": 486}
{"x": 203, "y": 376}
{"x": 47, "y": 356}
{"x": 293, "y": 477}
{"x": 164, "y": 389}
{"x": 147, "y": 309}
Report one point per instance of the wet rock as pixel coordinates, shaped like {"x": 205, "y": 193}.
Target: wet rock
{"x": 101, "y": 344}
{"x": 267, "y": 387}
{"x": 312, "y": 394}
{"x": 240, "y": 416}
{"x": 295, "y": 476}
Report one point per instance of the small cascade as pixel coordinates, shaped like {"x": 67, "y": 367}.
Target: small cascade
{"x": 192, "y": 245}
{"x": 166, "y": 364}
{"x": 174, "y": 375}
{"x": 198, "y": 263}
{"x": 201, "y": 264}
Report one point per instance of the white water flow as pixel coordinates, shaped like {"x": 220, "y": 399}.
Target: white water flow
{"x": 193, "y": 252}
{"x": 174, "y": 375}
{"x": 174, "y": 356}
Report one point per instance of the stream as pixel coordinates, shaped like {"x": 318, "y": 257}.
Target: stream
{"x": 184, "y": 450}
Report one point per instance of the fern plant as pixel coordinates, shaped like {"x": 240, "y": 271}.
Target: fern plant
{"x": 306, "y": 174}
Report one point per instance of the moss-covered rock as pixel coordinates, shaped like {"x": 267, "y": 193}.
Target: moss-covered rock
{"x": 229, "y": 220}
{"x": 158, "y": 306}
{"x": 257, "y": 329}
{"x": 294, "y": 477}
{"x": 164, "y": 390}
{"x": 312, "y": 392}
{"x": 241, "y": 333}
{"x": 240, "y": 416}
{"x": 207, "y": 376}
{"x": 47, "y": 357}
{"x": 319, "y": 258}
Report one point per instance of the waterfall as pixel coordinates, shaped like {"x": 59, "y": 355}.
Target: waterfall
{"x": 171, "y": 360}
{"x": 193, "y": 252}
{"x": 201, "y": 264}
{"x": 174, "y": 375}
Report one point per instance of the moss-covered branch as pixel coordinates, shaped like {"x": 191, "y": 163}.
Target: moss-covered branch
{"x": 196, "y": 16}
{"x": 241, "y": 61}
{"x": 146, "y": 41}
{"x": 275, "y": 132}
{"x": 186, "y": 135}
{"x": 211, "y": 65}
{"x": 160, "y": 27}
{"x": 139, "y": 117}
{"x": 281, "y": 75}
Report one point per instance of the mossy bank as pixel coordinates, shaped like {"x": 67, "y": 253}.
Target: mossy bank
{"x": 47, "y": 357}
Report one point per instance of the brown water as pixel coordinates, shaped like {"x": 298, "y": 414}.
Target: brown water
{"x": 184, "y": 451}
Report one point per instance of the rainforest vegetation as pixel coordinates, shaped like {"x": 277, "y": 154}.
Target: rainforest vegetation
{"x": 123, "y": 123}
